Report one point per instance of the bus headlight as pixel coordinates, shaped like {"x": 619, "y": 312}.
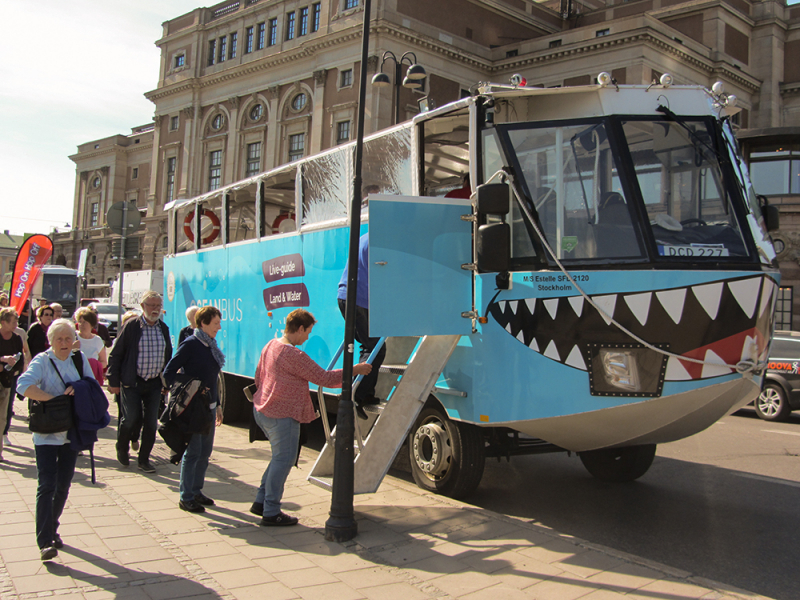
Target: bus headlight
{"x": 625, "y": 369}
{"x": 620, "y": 369}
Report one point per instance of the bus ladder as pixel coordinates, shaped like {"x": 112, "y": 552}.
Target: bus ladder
{"x": 388, "y": 422}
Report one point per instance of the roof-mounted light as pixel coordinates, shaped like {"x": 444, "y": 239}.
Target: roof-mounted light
{"x": 603, "y": 79}
{"x": 718, "y": 88}
{"x": 666, "y": 80}
{"x": 518, "y": 80}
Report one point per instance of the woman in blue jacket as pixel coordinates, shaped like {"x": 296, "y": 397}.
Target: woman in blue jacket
{"x": 200, "y": 358}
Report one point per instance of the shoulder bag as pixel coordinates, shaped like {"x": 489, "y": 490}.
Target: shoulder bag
{"x": 54, "y": 415}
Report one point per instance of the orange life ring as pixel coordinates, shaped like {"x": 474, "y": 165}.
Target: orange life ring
{"x": 276, "y": 224}
{"x": 215, "y": 226}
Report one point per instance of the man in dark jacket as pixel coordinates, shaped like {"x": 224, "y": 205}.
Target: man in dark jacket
{"x": 141, "y": 352}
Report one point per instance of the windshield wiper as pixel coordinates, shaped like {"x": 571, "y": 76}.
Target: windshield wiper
{"x": 692, "y": 134}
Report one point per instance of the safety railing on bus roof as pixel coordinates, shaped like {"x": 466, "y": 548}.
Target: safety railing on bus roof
{"x": 321, "y": 397}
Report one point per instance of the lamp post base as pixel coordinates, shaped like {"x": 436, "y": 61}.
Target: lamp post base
{"x": 340, "y": 529}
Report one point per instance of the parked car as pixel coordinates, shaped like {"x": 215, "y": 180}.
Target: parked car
{"x": 781, "y": 392}
{"x": 107, "y": 314}
{"x": 88, "y": 301}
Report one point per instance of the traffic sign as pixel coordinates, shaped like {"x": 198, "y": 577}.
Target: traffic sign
{"x": 116, "y": 213}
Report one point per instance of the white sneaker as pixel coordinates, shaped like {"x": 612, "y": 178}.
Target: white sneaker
{"x": 6, "y": 441}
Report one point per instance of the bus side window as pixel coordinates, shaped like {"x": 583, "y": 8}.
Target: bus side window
{"x": 327, "y": 183}
{"x": 242, "y": 214}
{"x": 278, "y": 202}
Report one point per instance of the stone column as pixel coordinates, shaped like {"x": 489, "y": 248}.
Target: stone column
{"x": 318, "y": 114}
{"x": 184, "y": 157}
{"x": 273, "y": 148}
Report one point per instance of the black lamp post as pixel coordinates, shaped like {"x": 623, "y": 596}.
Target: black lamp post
{"x": 412, "y": 80}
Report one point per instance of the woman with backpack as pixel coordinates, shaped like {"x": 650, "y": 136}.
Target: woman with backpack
{"x": 46, "y": 378}
{"x": 200, "y": 358}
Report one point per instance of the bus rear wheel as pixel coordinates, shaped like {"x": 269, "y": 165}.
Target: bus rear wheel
{"x": 619, "y": 464}
{"x": 447, "y": 457}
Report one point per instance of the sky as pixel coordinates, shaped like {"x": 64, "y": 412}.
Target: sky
{"x": 73, "y": 71}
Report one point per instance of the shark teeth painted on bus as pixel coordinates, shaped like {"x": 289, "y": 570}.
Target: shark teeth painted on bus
{"x": 721, "y": 323}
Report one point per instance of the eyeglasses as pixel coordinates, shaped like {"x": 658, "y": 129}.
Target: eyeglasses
{"x": 148, "y": 305}
{"x": 47, "y": 314}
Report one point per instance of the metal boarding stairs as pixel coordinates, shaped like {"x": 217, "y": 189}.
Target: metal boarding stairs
{"x": 380, "y": 437}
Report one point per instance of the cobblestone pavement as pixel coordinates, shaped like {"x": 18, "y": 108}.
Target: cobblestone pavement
{"x": 125, "y": 537}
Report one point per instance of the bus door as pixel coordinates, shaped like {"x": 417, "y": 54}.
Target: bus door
{"x": 417, "y": 248}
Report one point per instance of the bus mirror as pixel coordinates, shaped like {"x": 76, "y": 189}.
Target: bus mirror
{"x": 772, "y": 216}
{"x": 492, "y": 247}
{"x": 493, "y": 199}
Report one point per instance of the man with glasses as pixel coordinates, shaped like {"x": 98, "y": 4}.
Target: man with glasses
{"x": 140, "y": 353}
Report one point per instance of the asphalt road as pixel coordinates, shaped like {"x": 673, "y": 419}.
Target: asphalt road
{"x": 723, "y": 504}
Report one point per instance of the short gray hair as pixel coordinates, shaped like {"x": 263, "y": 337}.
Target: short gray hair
{"x": 56, "y": 326}
{"x": 190, "y": 312}
{"x": 56, "y": 304}
{"x": 150, "y": 294}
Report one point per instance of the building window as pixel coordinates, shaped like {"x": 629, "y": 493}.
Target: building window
{"x": 296, "y": 146}
{"x": 512, "y": 53}
{"x": 180, "y": 60}
{"x": 346, "y": 78}
{"x": 94, "y": 259}
{"x": 273, "y": 32}
{"x": 290, "y": 26}
{"x": 165, "y": 242}
{"x": 342, "y": 131}
{"x": 350, "y": 4}
{"x": 256, "y": 112}
{"x": 253, "y": 159}
{"x": 174, "y": 123}
{"x": 212, "y": 52}
{"x": 135, "y": 173}
{"x": 216, "y": 123}
{"x": 170, "y": 191}
{"x": 262, "y": 30}
{"x": 96, "y": 182}
{"x": 234, "y": 40}
{"x": 299, "y": 102}
{"x": 248, "y": 40}
{"x": 214, "y": 169}
{"x": 775, "y": 170}
{"x": 555, "y": 43}
{"x": 303, "y": 21}
{"x": 602, "y": 32}
{"x": 783, "y": 309}
{"x": 223, "y": 48}
{"x": 316, "y": 11}
{"x": 95, "y": 214}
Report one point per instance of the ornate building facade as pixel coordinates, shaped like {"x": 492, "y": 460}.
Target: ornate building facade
{"x": 247, "y": 85}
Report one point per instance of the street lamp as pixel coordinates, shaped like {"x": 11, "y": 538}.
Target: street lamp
{"x": 412, "y": 80}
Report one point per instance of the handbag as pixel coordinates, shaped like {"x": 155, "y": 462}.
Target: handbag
{"x": 51, "y": 416}
{"x": 54, "y": 415}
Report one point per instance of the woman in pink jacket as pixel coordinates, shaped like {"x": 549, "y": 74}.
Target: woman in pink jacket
{"x": 281, "y": 402}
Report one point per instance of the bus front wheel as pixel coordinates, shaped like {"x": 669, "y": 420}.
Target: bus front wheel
{"x": 619, "y": 464}
{"x": 447, "y": 457}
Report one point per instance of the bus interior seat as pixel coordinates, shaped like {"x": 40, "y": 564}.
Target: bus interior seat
{"x": 614, "y": 233}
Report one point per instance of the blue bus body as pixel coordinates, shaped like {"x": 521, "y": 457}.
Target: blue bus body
{"x": 694, "y": 277}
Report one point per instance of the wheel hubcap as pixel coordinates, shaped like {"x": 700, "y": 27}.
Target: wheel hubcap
{"x": 432, "y": 449}
{"x": 769, "y": 402}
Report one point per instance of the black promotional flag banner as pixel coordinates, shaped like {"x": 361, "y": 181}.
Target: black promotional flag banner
{"x": 32, "y": 256}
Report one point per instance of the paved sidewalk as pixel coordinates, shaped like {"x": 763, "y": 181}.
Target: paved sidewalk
{"x": 126, "y": 538}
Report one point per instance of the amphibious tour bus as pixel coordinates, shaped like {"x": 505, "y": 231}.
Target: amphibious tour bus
{"x": 582, "y": 269}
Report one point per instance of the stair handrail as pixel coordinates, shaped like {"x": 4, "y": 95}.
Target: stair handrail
{"x": 323, "y": 412}
{"x": 356, "y": 383}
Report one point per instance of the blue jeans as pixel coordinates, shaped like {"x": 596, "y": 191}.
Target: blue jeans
{"x": 55, "y": 466}
{"x": 195, "y": 463}
{"x": 139, "y": 404}
{"x": 366, "y": 388}
{"x": 284, "y": 436}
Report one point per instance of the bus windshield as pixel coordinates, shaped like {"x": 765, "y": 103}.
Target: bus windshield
{"x": 59, "y": 288}
{"x": 675, "y": 197}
